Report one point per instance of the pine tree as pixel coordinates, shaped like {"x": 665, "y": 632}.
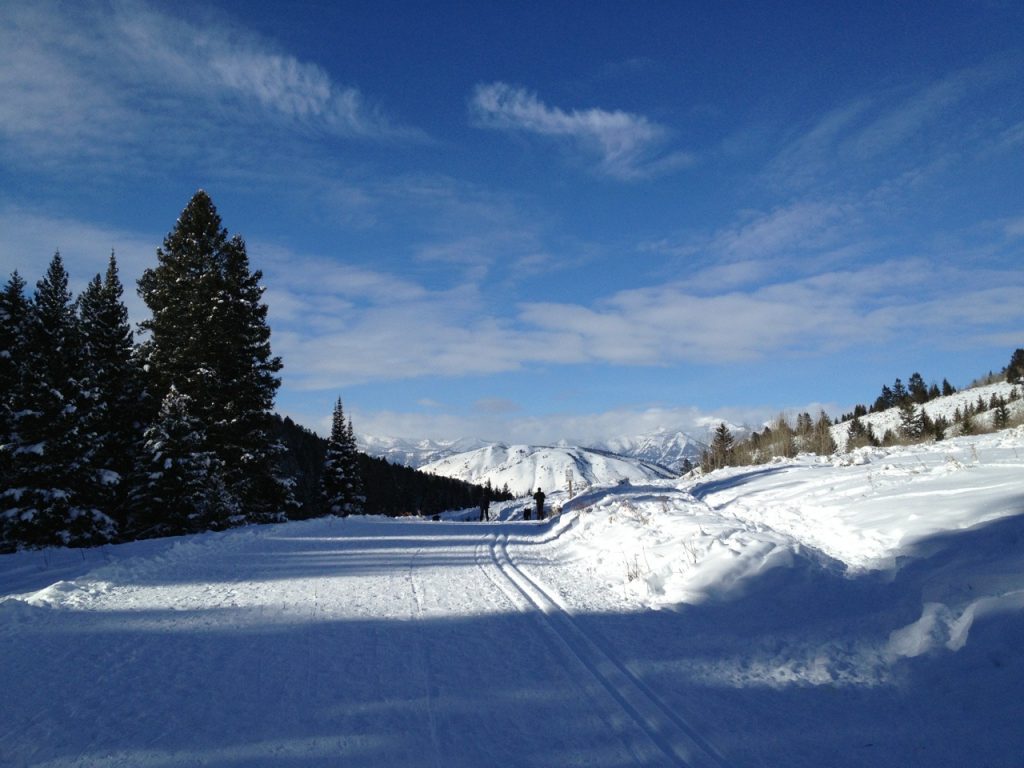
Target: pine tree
{"x": 113, "y": 382}
{"x": 1015, "y": 370}
{"x": 341, "y": 484}
{"x": 722, "y": 445}
{"x": 1001, "y": 414}
{"x": 209, "y": 338}
{"x": 912, "y": 422}
{"x": 899, "y": 392}
{"x": 947, "y": 388}
{"x": 51, "y": 496}
{"x": 248, "y": 385}
{"x": 178, "y": 485}
{"x": 967, "y": 425}
{"x": 14, "y": 310}
{"x": 885, "y": 400}
{"x": 859, "y": 435}
{"x": 917, "y": 389}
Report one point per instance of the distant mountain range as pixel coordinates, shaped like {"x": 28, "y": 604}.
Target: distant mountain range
{"x": 416, "y": 453}
{"x": 668, "y": 448}
{"x": 524, "y": 467}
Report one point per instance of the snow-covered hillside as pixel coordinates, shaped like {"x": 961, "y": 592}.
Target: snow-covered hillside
{"x": 946, "y": 407}
{"x": 863, "y": 610}
{"x": 524, "y": 468}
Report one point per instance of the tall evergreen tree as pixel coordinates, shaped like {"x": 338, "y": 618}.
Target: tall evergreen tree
{"x": 917, "y": 389}
{"x": 14, "y": 310}
{"x": 885, "y": 400}
{"x": 899, "y": 392}
{"x": 51, "y": 499}
{"x": 209, "y": 338}
{"x": 113, "y": 383}
{"x": 721, "y": 450}
{"x": 341, "y": 484}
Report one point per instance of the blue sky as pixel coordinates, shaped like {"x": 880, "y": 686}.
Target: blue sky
{"x": 532, "y": 221}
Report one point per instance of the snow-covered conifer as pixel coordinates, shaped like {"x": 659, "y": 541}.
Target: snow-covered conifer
{"x": 178, "y": 486}
{"x": 50, "y": 499}
{"x": 341, "y": 484}
{"x": 113, "y": 383}
{"x": 209, "y": 338}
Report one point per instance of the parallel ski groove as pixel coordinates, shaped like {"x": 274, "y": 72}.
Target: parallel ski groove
{"x": 672, "y": 735}
{"x": 590, "y": 685}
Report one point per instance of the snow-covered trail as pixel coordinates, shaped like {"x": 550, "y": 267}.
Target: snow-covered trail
{"x": 330, "y": 642}
{"x": 866, "y": 610}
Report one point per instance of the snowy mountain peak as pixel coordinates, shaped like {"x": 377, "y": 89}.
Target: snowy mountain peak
{"x": 668, "y": 448}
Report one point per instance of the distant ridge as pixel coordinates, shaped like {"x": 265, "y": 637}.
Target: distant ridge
{"x": 526, "y": 467}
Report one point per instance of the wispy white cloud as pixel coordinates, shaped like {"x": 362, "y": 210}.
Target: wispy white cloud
{"x": 77, "y": 81}
{"x": 340, "y": 327}
{"x": 627, "y": 146}
{"x": 909, "y": 300}
{"x": 802, "y": 237}
{"x": 893, "y": 131}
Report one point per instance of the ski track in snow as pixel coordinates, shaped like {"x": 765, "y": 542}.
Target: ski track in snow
{"x": 670, "y": 738}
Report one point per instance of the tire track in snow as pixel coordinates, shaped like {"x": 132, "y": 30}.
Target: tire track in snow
{"x": 666, "y": 731}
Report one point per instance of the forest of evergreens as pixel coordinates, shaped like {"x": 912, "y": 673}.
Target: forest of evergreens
{"x": 106, "y": 438}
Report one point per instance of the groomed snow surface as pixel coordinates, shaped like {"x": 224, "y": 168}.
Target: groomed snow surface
{"x": 866, "y": 610}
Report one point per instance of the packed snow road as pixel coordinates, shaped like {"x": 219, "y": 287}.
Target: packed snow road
{"x": 332, "y": 642}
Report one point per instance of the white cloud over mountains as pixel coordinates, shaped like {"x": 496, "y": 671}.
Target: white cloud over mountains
{"x": 626, "y": 146}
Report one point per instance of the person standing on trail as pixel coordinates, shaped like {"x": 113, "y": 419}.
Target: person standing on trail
{"x": 485, "y": 504}
{"x": 539, "y": 498}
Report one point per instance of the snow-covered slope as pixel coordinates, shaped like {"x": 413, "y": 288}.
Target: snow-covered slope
{"x": 416, "y": 453}
{"x": 525, "y": 467}
{"x": 882, "y": 421}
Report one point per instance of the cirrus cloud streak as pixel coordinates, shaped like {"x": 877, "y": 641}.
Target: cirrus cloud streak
{"x": 626, "y": 146}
